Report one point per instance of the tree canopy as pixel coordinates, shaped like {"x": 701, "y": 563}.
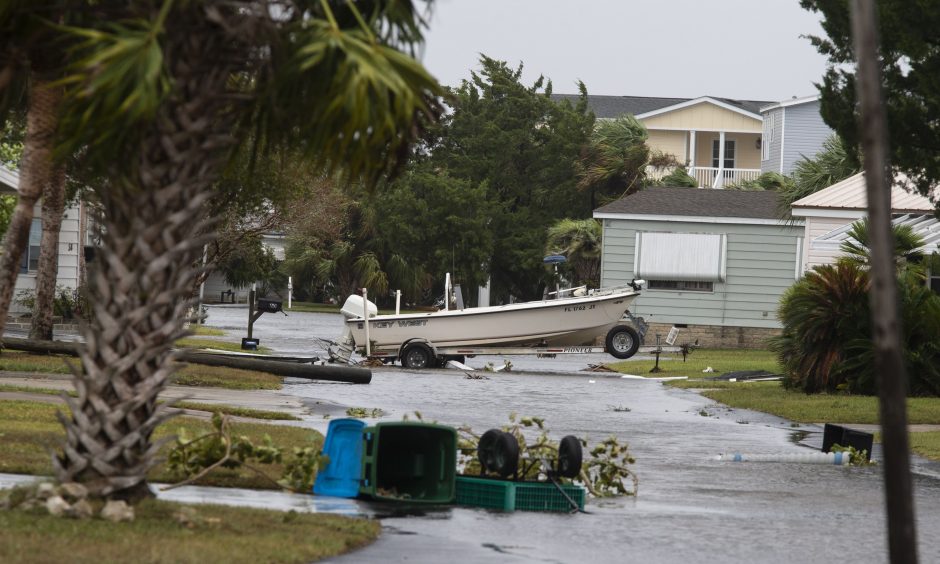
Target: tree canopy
{"x": 910, "y": 64}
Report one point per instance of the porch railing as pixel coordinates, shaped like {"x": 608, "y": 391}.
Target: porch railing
{"x": 710, "y": 177}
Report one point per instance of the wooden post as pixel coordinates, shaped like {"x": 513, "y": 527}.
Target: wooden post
{"x": 886, "y": 323}
{"x": 251, "y": 310}
{"x": 365, "y": 317}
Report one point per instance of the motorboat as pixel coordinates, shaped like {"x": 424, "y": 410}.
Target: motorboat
{"x": 570, "y": 322}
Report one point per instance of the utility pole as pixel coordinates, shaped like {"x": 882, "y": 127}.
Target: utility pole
{"x": 886, "y": 323}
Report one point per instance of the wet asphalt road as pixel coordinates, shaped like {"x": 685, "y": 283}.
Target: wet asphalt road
{"x": 690, "y": 508}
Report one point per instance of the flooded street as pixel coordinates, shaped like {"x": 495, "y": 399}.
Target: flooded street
{"x": 690, "y": 508}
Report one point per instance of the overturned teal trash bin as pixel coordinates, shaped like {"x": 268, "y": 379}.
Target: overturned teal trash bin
{"x": 343, "y": 445}
{"x": 409, "y": 462}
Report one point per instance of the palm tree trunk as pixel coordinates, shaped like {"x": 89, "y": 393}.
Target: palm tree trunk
{"x": 41, "y": 121}
{"x": 53, "y": 206}
{"x": 140, "y": 285}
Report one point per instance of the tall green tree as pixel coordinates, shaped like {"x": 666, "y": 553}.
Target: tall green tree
{"x": 910, "y": 64}
{"x": 161, "y": 94}
{"x": 525, "y": 148}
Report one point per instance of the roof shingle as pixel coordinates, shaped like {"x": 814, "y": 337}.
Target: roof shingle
{"x": 697, "y": 202}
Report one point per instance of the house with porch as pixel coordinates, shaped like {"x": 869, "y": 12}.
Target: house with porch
{"x": 717, "y": 139}
{"x": 71, "y": 244}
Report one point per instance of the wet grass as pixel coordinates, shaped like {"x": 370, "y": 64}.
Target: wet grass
{"x": 237, "y": 411}
{"x": 196, "y": 343}
{"x": 29, "y": 430}
{"x": 772, "y": 397}
{"x": 926, "y": 444}
{"x": 205, "y": 331}
{"x": 217, "y": 534}
{"x": 719, "y": 360}
{"x": 190, "y": 375}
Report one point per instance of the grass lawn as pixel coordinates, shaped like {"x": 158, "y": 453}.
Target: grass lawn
{"x": 196, "y": 343}
{"x": 720, "y": 360}
{"x": 29, "y": 429}
{"x": 771, "y": 397}
{"x": 237, "y": 411}
{"x": 926, "y": 444}
{"x": 191, "y": 375}
{"x": 221, "y": 534}
{"x": 205, "y": 331}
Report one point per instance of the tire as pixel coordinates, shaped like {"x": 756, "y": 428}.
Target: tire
{"x": 417, "y": 356}
{"x": 569, "y": 457}
{"x": 498, "y": 452}
{"x": 622, "y": 342}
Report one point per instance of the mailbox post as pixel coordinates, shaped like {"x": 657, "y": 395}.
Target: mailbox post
{"x": 256, "y": 308}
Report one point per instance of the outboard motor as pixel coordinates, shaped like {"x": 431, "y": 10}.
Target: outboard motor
{"x": 354, "y": 306}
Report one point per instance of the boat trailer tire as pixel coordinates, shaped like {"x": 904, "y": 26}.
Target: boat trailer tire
{"x": 569, "y": 457}
{"x": 417, "y": 355}
{"x": 622, "y": 341}
{"x": 498, "y": 452}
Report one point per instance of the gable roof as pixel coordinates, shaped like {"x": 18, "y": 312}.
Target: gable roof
{"x": 791, "y": 102}
{"x": 609, "y": 107}
{"x": 695, "y": 203}
{"x": 851, "y": 194}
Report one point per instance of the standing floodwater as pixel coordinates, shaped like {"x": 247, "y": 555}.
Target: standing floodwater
{"x": 691, "y": 508}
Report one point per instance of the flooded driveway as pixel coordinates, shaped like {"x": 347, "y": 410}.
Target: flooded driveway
{"x": 691, "y": 507}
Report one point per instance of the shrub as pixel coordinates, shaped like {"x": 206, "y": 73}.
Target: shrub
{"x": 679, "y": 178}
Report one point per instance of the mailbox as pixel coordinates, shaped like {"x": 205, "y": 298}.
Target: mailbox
{"x": 269, "y": 306}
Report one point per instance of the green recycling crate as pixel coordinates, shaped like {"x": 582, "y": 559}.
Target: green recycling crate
{"x": 506, "y": 495}
{"x": 409, "y": 462}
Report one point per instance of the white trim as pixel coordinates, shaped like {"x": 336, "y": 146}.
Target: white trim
{"x": 723, "y": 257}
{"x": 697, "y": 218}
{"x": 799, "y": 259}
{"x": 745, "y": 131}
{"x": 829, "y": 212}
{"x": 636, "y": 255}
{"x": 783, "y": 135}
{"x": 788, "y": 103}
{"x": 702, "y": 100}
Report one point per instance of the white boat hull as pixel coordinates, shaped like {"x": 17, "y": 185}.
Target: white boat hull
{"x": 572, "y": 321}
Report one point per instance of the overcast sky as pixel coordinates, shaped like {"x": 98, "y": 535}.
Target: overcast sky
{"x": 743, "y": 49}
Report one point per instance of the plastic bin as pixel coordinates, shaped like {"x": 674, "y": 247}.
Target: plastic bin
{"x": 409, "y": 462}
{"x": 343, "y": 444}
{"x": 505, "y": 495}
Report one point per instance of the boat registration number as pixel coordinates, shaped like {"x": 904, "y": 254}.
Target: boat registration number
{"x": 580, "y": 307}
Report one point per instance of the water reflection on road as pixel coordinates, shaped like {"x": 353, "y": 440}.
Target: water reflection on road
{"x": 691, "y": 508}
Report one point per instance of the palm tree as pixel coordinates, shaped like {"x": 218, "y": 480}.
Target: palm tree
{"x": 614, "y": 165}
{"x": 161, "y": 98}
{"x": 580, "y": 241}
{"x": 821, "y": 314}
{"x": 29, "y": 68}
{"x": 907, "y": 246}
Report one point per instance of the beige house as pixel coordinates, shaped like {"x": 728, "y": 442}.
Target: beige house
{"x": 827, "y": 215}
{"x": 717, "y": 139}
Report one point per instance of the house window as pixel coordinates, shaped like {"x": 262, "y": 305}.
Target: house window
{"x": 681, "y": 285}
{"x": 935, "y": 283}
{"x": 767, "y": 137}
{"x": 729, "y": 153}
{"x": 30, "y": 261}
{"x": 687, "y": 257}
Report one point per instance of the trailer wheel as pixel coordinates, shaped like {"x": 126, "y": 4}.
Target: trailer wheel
{"x": 622, "y": 341}
{"x": 569, "y": 457}
{"x": 417, "y": 355}
{"x": 498, "y": 452}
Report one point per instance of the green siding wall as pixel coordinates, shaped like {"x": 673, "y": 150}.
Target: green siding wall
{"x": 761, "y": 262}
